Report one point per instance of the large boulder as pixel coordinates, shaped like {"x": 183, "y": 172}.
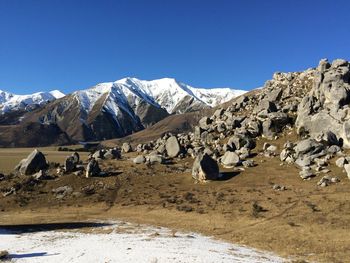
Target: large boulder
{"x": 69, "y": 164}
{"x": 139, "y": 159}
{"x": 112, "y": 154}
{"x": 205, "y": 123}
{"x": 155, "y": 159}
{"x": 325, "y": 108}
{"x": 230, "y": 159}
{"x": 93, "y": 168}
{"x": 173, "y": 147}
{"x": 35, "y": 162}
{"x": 126, "y": 147}
{"x": 205, "y": 168}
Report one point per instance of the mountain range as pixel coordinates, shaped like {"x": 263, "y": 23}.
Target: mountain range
{"x": 104, "y": 111}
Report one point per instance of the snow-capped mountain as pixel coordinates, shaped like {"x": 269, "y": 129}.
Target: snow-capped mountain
{"x": 167, "y": 93}
{"x": 107, "y": 110}
{"x": 10, "y": 101}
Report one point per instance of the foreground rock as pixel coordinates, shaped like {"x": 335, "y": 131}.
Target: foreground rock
{"x": 205, "y": 168}
{"x": 35, "y": 162}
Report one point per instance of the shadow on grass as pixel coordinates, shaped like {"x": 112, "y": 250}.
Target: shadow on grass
{"x": 224, "y": 176}
{"x": 30, "y": 255}
{"x": 31, "y": 228}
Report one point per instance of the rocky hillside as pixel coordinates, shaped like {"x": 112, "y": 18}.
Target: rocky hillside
{"x": 313, "y": 103}
{"x": 105, "y": 111}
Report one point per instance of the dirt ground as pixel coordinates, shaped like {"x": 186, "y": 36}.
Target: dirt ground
{"x": 305, "y": 222}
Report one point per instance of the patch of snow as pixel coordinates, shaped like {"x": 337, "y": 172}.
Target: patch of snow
{"x": 122, "y": 242}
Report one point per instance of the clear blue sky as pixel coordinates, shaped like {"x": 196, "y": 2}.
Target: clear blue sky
{"x": 73, "y": 44}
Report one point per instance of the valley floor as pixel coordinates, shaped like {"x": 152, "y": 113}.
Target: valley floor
{"x": 304, "y": 222}
{"x": 120, "y": 242}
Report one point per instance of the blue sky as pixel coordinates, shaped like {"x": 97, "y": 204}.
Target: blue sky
{"x": 73, "y": 44}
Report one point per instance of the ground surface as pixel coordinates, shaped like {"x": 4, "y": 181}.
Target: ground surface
{"x": 9, "y": 157}
{"x": 305, "y": 222}
{"x": 121, "y": 242}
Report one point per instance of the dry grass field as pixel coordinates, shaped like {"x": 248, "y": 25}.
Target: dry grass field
{"x": 10, "y": 157}
{"x": 305, "y": 222}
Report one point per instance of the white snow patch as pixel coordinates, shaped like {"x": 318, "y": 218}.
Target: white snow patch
{"x": 123, "y": 242}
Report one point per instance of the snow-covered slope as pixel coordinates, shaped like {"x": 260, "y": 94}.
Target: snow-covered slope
{"x": 10, "y": 101}
{"x": 164, "y": 93}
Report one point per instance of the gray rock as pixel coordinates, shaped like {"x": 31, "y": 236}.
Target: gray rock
{"x": 248, "y": 163}
{"x": 112, "y": 154}
{"x": 62, "y": 191}
{"x": 204, "y": 123}
{"x": 347, "y": 169}
{"x": 155, "y": 159}
{"x": 205, "y": 168}
{"x": 126, "y": 147}
{"x": 41, "y": 175}
{"x": 172, "y": 147}
{"x": 266, "y": 105}
{"x": 139, "y": 159}
{"x": 35, "y": 162}
{"x": 76, "y": 157}
{"x": 69, "y": 164}
{"x": 92, "y": 169}
{"x": 230, "y": 159}
{"x": 341, "y": 162}
{"x": 306, "y": 174}
{"x": 324, "y": 109}
{"x": 98, "y": 154}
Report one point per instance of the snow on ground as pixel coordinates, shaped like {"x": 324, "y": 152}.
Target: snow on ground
{"x": 123, "y": 242}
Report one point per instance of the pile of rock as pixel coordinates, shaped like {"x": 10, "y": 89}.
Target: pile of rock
{"x": 107, "y": 154}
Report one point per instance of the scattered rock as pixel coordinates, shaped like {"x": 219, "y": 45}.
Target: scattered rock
{"x": 62, "y": 191}
{"x": 279, "y": 187}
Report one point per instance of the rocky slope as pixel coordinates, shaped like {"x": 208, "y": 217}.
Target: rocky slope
{"x": 313, "y": 103}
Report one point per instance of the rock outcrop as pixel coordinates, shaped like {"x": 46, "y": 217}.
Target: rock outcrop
{"x": 324, "y": 113}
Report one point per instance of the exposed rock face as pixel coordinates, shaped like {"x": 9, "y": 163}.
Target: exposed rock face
{"x": 205, "y": 168}
{"x": 173, "y": 147}
{"x": 35, "y": 162}
{"x": 325, "y": 109}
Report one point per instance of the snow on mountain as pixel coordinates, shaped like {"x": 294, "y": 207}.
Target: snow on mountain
{"x": 10, "y": 101}
{"x": 164, "y": 93}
